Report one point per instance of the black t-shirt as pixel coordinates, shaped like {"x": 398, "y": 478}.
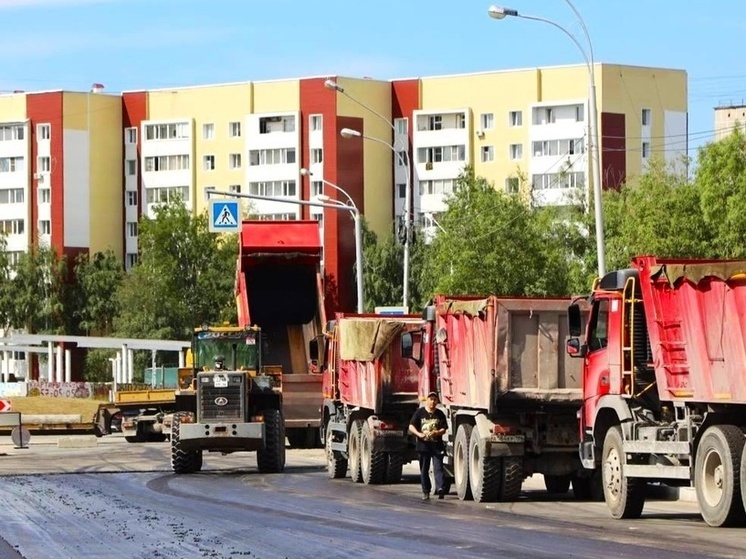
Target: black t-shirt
{"x": 424, "y": 421}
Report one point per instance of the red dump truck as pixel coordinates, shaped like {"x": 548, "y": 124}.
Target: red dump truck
{"x": 370, "y": 392}
{"x": 510, "y": 394}
{"x": 279, "y": 289}
{"x": 664, "y": 369}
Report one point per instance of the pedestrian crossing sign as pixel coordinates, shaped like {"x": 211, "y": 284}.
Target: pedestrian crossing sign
{"x": 224, "y": 216}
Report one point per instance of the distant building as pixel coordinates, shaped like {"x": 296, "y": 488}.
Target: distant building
{"x": 727, "y": 118}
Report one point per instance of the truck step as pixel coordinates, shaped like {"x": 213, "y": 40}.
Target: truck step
{"x": 657, "y": 447}
{"x": 657, "y": 472}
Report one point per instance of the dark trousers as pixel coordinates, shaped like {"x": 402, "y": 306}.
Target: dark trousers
{"x": 437, "y": 461}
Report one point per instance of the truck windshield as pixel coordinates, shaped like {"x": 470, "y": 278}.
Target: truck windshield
{"x": 209, "y": 346}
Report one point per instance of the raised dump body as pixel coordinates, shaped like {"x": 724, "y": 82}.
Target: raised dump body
{"x": 279, "y": 288}
{"x": 370, "y": 393}
{"x": 665, "y": 383}
{"x": 510, "y": 394}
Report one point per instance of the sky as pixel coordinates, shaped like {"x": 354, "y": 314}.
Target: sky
{"x": 147, "y": 44}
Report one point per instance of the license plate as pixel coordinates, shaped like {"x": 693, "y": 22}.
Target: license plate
{"x": 220, "y": 382}
{"x": 509, "y": 438}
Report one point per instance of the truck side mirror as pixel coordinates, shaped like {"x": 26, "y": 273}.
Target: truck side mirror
{"x": 574, "y": 348}
{"x": 574, "y": 320}
{"x": 313, "y": 349}
{"x": 411, "y": 346}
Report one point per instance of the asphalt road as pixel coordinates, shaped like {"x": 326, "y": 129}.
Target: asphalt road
{"x": 82, "y": 497}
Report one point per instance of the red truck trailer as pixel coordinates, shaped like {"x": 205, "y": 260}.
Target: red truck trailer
{"x": 664, "y": 383}
{"x": 510, "y": 394}
{"x": 279, "y": 288}
{"x": 370, "y": 392}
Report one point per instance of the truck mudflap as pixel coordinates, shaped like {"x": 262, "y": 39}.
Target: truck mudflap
{"x": 389, "y": 441}
{"x": 496, "y": 446}
{"x": 222, "y": 436}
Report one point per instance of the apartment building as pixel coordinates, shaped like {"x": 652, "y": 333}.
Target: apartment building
{"x": 727, "y": 118}
{"x": 79, "y": 170}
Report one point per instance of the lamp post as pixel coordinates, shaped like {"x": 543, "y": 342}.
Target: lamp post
{"x": 404, "y": 160}
{"x": 497, "y": 12}
{"x": 333, "y": 85}
{"x": 355, "y": 212}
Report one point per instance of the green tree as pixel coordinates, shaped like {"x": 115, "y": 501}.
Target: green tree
{"x": 185, "y": 277}
{"x": 98, "y": 280}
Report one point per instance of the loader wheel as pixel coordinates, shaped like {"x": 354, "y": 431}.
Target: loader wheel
{"x": 372, "y": 463}
{"x": 717, "y": 479}
{"x": 183, "y": 461}
{"x": 558, "y": 485}
{"x": 461, "y": 461}
{"x": 624, "y": 496}
{"x": 484, "y": 473}
{"x": 271, "y": 459}
{"x": 336, "y": 466}
{"x": 394, "y": 465}
{"x": 353, "y": 445}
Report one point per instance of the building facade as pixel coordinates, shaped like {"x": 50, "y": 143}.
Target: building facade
{"x": 727, "y": 118}
{"x": 79, "y": 170}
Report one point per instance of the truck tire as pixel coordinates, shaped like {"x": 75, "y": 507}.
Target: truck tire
{"x": 624, "y": 496}
{"x": 512, "y": 479}
{"x": 372, "y": 463}
{"x": 394, "y": 465}
{"x": 336, "y": 466}
{"x": 485, "y": 473}
{"x": 588, "y": 487}
{"x": 183, "y": 461}
{"x": 271, "y": 459}
{"x": 558, "y": 485}
{"x": 717, "y": 476}
{"x": 461, "y": 461}
{"x": 353, "y": 446}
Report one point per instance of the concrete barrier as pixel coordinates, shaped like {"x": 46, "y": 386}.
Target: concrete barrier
{"x": 77, "y": 442}
{"x": 51, "y": 419}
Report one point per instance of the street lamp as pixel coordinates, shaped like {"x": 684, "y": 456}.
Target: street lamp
{"x": 333, "y": 85}
{"x": 498, "y": 12}
{"x": 355, "y": 212}
{"x": 404, "y": 160}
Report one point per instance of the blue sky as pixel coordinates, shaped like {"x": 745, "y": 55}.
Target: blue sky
{"x": 143, "y": 44}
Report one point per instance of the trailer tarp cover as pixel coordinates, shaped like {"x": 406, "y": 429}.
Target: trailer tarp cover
{"x": 471, "y": 308}
{"x": 366, "y": 339}
{"x": 696, "y": 272}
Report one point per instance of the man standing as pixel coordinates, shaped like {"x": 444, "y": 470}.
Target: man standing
{"x": 428, "y": 424}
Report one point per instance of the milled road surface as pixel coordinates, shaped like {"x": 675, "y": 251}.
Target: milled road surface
{"x": 93, "y": 498}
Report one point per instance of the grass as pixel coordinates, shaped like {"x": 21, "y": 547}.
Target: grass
{"x": 43, "y": 405}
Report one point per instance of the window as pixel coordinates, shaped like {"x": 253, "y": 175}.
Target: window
{"x": 278, "y": 156}
{"x": 208, "y": 189}
{"x": 272, "y": 124}
{"x": 317, "y": 187}
{"x": 234, "y": 160}
{"x": 512, "y": 185}
{"x": 235, "y": 188}
{"x": 131, "y": 166}
{"x": 516, "y": 151}
{"x": 165, "y": 194}
{"x": 315, "y": 122}
{"x": 647, "y": 117}
{"x": 13, "y": 227}
{"x": 579, "y": 113}
{"x": 317, "y": 155}
{"x": 645, "y": 150}
{"x": 45, "y": 195}
{"x": 234, "y": 129}
{"x": 599, "y": 330}
{"x": 170, "y": 131}
{"x": 12, "y": 196}
{"x": 273, "y": 188}
{"x": 401, "y": 190}
{"x": 437, "y": 186}
{"x": 562, "y": 180}
{"x": 461, "y": 120}
{"x": 441, "y": 153}
{"x": 167, "y": 163}
{"x": 487, "y": 121}
{"x": 12, "y": 132}
{"x": 208, "y": 162}
{"x": 12, "y": 164}
{"x": 488, "y": 153}
{"x": 44, "y": 164}
{"x": 130, "y": 136}
{"x": 132, "y": 229}
{"x": 208, "y": 131}
{"x": 401, "y": 158}
{"x": 131, "y": 198}
{"x": 130, "y": 259}
{"x": 401, "y": 125}
{"x": 435, "y": 122}
{"x": 43, "y": 131}
{"x": 45, "y": 227}
{"x": 515, "y": 118}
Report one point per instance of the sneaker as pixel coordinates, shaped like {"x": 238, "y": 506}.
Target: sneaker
{"x": 441, "y": 493}
{"x": 426, "y": 496}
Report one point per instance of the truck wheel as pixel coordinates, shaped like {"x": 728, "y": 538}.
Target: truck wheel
{"x": 512, "y": 479}
{"x": 372, "y": 463}
{"x": 588, "y": 487}
{"x": 336, "y": 466}
{"x": 717, "y": 478}
{"x": 394, "y": 465}
{"x": 271, "y": 459}
{"x": 183, "y": 461}
{"x": 461, "y": 461}
{"x": 484, "y": 472}
{"x": 624, "y": 496}
{"x": 353, "y": 445}
{"x": 558, "y": 485}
